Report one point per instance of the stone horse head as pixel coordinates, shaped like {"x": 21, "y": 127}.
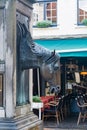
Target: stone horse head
{"x": 32, "y": 55}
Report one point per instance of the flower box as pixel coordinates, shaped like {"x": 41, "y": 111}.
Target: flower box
{"x": 37, "y": 105}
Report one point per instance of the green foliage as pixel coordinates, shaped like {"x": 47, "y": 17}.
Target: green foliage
{"x": 43, "y": 24}
{"x": 36, "y": 99}
{"x": 84, "y": 21}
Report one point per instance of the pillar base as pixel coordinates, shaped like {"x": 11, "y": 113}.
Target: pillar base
{"x": 24, "y": 122}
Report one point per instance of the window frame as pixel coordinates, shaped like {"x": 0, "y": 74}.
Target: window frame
{"x": 84, "y": 15}
{"x": 51, "y": 9}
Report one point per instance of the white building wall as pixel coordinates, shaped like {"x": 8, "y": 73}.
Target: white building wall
{"x": 67, "y": 22}
{"x": 67, "y": 15}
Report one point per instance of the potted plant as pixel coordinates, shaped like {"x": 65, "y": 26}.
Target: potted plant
{"x": 43, "y": 24}
{"x": 84, "y": 21}
{"x": 36, "y": 102}
{"x": 36, "y": 99}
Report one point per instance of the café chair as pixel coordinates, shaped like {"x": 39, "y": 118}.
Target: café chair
{"x": 52, "y": 110}
{"x": 82, "y": 108}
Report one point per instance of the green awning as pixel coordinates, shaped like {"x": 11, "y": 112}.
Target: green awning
{"x": 71, "y": 47}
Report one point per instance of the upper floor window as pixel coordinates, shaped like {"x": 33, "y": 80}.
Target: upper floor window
{"x": 82, "y": 10}
{"x": 51, "y": 12}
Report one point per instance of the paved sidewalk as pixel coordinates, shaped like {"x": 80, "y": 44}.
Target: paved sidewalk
{"x": 67, "y": 124}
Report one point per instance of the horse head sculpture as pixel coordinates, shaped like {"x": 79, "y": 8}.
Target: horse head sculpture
{"x": 32, "y": 55}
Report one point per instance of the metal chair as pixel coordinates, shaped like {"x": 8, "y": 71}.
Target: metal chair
{"x": 82, "y": 107}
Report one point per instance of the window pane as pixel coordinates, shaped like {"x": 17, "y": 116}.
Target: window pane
{"x": 1, "y": 91}
{"x": 49, "y": 19}
{"x": 54, "y": 13}
{"x": 49, "y": 13}
{"x": 85, "y": 13}
{"x": 81, "y": 18}
{"x": 48, "y": 5}
{"x": 81, "y": 12}
{"x": 54, "y": 20}
{"x": 54, "y": 5}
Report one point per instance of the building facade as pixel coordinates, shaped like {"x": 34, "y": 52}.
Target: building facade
{"x": 67, "y": 35}
{"x": 15, "y": 96}
{"x": 66, "y": 15}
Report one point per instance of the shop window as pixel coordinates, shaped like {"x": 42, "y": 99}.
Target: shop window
{"x": 51, "y": 12}
{"x": 82, "y": 10}
{"x": 1, "y": 90}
